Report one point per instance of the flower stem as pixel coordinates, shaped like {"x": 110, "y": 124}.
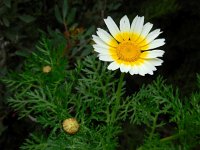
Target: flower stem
{"x": 154, "y": 126}
{"x": 169, "y": 138}
{"x": 117, "y": 101}
{"x": 172, "y": 137}
{"x": 119, "y": 88}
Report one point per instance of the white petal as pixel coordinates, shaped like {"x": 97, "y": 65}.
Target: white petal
{"x": 148, "y": 69}
{"x": 146, "y": 29}
{"x": 125, "y": 24}
{"x": 142, "y": 70}
{"x": 134, "y": 70}
{"x": 152, "y": 35}
{"x": 150, "y": 65}
{"x": 104, "y": 57}
{"x": 113, "y": 29}
{"x": 100, "y": 49}
{"x": 134, "y": 24}
{"x": 106, "y": 37}
{"x": 156, "y": 43}
{"x": 155, "y": 61}
{"x": 152, "y": 54}
{"x": 113, "y": 66}
{"x": 136, "y": 28}
{"x": 98, "y": 41}
{"x": 125, "y": 27}
{"x": 139, "y": 25}
{"x": 124, "y": 68}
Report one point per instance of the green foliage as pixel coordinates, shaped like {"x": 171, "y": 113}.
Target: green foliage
{"x": 159, "y": 8}
{"x": 152, "y": 100}
{"x": 158, "y": 100}
{"x": 21, "y": 22}
{"x": 96, "y": 97}
{"x": 67, "y": 16}
{"x": 155, "y": 144}
{"x": 80, "y": 86}
{"x": 85, "y": 139}
{"x": 49, "y": 98}
{"x": 13, "y": 21}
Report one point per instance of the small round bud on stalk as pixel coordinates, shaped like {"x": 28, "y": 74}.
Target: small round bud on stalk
{"x": 46, "y": 69}
{"x": 70, "y": 125}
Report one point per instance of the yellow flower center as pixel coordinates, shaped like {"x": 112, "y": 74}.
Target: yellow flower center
{"x": 128, "y": 51}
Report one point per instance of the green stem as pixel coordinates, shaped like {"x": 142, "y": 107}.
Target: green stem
{"x": 154, "y": 126}
{"x": 169, "y": 138}
{"x": 117, "y": 101}
{"x": 152, "y": 129}
{"x": 119, "y": 88}
{"x": 140, "y": 148}
{"x": 172, "y": 137}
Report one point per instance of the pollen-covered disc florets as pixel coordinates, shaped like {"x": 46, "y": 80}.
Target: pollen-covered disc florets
{"x": 128, "y": 51}
{"x": 131, "y": 47}
{"x": 70, "y": 125}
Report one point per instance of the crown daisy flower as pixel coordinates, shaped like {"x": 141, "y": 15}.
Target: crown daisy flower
{"x": 131, "y": 47}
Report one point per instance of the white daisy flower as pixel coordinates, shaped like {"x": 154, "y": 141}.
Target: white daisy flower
{"x": 131, "y": 47}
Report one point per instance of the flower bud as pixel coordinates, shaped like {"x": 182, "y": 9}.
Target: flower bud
{"x": 70, "y": 125}
{"x": 46, "y": 69}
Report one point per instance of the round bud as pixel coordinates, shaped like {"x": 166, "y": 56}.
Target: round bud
{"x": 46, "y": 69}
{"x": 70, "y": 125}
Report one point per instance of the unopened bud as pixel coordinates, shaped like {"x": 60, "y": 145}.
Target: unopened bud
{"x": 46, "y": 69}
{"x": 70, "y": 125}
